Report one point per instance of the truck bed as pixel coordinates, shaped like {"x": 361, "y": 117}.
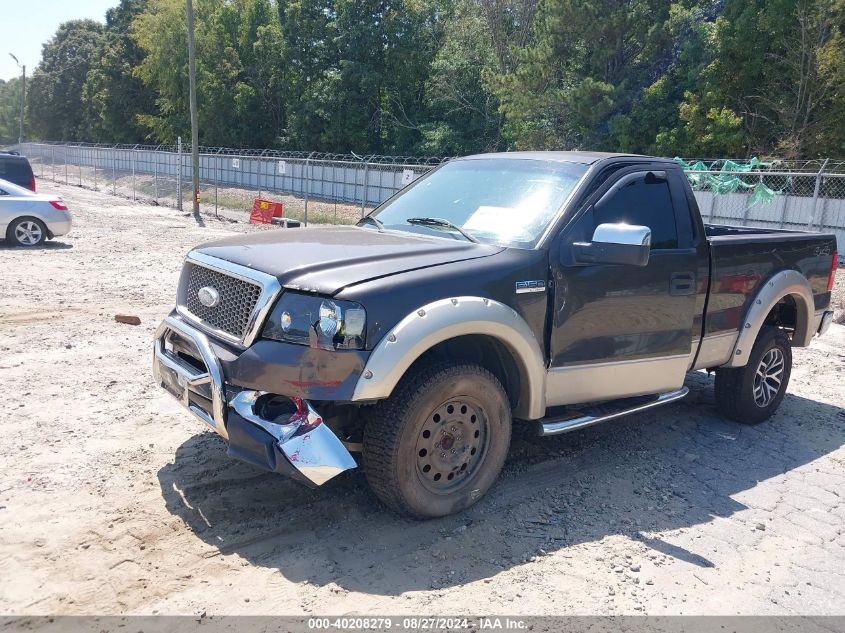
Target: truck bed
{"x": 744, "y": 258}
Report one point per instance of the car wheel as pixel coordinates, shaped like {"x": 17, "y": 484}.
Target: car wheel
{"x": 439, "y": 442}
{"x": 751, "y": 394}
{"x": 27, "y": 232}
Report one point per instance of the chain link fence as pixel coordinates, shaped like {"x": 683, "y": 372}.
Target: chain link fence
{"x": 340, "y": 189}
{"x": 789, "y": 195}
{"x": 313, "y": 187}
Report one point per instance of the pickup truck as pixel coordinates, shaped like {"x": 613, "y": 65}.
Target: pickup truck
{"x": 558, "y": 289}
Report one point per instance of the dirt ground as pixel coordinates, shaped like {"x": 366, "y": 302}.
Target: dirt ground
{"x": 113, "y": 499}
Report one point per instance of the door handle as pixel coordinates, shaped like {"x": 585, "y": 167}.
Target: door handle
{"x": 682, "y": 284}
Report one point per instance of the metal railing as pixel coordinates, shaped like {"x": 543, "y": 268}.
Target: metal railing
{"x": 340, "y": 188}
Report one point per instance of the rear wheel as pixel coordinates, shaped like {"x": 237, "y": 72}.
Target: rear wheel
{"x": 751, "y": 394}
{"x": 27, "y": 232}
{"x": 438, "y": 443}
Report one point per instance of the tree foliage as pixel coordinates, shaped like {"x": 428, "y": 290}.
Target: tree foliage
{"x": 692, "y": 77}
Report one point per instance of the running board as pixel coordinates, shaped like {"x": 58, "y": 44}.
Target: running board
{"x": 607, "y": 411}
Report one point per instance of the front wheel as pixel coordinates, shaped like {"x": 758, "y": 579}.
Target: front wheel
{"x": 751, "y": 394}
{"x": 439, "y": 442}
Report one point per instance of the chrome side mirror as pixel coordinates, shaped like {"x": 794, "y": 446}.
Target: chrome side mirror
{"x": 628, "y": 244}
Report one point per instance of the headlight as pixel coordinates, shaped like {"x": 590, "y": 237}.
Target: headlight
{"x": 317, "y": 322}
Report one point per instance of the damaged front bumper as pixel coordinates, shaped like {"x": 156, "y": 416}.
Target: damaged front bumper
{"x": 272, "y": 432}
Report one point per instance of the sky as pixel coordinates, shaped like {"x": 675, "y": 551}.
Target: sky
{"x": 26, "y": 24}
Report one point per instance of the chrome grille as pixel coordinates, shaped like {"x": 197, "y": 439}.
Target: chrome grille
{"x": 238, "y": 299}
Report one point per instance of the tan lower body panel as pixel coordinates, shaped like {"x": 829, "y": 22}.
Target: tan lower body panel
{"x": 619, "y": 379}
{"x": 716, "y": 350}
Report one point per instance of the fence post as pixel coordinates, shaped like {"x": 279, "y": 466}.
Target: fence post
{"x": 306, "y": 184}
{"x": 783, "y": 213}
{"x": 132, "y": 161}
{"x": 79, "y": 159}
{"x": 364, "y": 192}
{"x": 816, "y": 194}
{"x": 179, "y": 173}
{"x": 258, "y": 178}
{"x": 94, "y": 161}
{"x": 114, "y": 172}
{"x": 155, "y": 176}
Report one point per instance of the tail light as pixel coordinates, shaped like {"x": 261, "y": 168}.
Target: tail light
{"x": 833, "y": 264}
{"x": 32, "y": 183}
{"x": 58, "y": 204}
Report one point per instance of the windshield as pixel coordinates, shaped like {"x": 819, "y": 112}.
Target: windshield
{"x": 496, "y": 200}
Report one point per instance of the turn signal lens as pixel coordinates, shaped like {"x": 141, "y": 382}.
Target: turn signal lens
{"x": 58, "y": 204}
{"x": 831, "y": 278}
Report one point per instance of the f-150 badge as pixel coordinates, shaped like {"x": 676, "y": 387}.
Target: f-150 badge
{"x": 533, "y": 285}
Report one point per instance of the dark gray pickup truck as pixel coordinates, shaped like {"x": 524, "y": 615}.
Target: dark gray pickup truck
{"x": 557, "y": 289}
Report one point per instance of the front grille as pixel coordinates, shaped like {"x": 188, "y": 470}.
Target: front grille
{"x": 238, "y": 299}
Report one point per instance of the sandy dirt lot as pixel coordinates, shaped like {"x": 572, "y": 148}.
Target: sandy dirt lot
{"x": 113, "y": 499}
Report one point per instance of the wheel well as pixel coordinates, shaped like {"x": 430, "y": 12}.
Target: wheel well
{"x": 485, "y": 351}
{"x": 784, "y": 315}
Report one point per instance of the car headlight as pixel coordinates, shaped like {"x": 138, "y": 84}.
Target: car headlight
{"x": 317, "y": 322}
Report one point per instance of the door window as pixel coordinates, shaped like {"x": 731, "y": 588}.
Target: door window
{"x": 645, "y": 201}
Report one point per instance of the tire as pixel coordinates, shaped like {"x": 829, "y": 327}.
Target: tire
{"x": 26, "y": 232}
{"x": 439, "y": 442}
{"x": 742, "y": 394}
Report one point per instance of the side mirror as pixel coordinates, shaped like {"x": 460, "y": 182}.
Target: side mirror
{"x": 616, "y": 244}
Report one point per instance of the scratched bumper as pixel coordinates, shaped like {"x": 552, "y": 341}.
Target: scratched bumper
{"x": 295, "y": 442}
{"x": 277, "y": 433}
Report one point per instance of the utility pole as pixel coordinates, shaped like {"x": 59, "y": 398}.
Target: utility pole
{"x": 192, "y": 81}
{"x": 23, "y": 100}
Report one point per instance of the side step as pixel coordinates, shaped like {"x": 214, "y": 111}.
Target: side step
{"x": 572, "y": 420}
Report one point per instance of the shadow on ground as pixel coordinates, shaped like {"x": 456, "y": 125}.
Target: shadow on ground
{"x": 672, "y": 467}
{"x": 49, "y": 245}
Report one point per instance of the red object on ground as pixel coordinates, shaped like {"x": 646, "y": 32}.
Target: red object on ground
{"x": 263, "y": 211}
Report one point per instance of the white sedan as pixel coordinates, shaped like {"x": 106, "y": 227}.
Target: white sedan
{"x": 27, "y": 218}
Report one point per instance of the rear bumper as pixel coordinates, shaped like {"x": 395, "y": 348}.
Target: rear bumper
{"x": 297, "y": 444}
{"x": 59, "y": 227}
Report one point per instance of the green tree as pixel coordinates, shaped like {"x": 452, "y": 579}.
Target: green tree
{"x": 54, "y": 99}
{"x": 586, "y": 63}
{"x": 10, "y": 110}
{"x": 239, "y": 69}
{"x": 113, "y": 96}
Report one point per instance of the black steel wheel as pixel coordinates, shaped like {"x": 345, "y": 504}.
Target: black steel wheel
{"x": 451, "y": 444}
{"x": 439, "y": 442}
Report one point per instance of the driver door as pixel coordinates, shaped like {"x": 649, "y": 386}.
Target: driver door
{"x": 618, "y": 329}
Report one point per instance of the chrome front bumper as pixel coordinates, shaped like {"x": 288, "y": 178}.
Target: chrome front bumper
{"x": 299, "y": 445}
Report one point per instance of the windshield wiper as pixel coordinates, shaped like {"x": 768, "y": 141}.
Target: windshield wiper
{"x": 440, "y": 222}
{"x": 368, "y": 218}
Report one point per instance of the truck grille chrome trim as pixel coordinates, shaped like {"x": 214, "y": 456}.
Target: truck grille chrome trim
{"x": 168, "y": 366}
{"x": 245, "y": 297}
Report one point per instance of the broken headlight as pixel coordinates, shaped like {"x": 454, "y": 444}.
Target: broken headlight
{"x": 317, "y": 322}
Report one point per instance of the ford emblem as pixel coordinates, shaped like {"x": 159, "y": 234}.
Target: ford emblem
{"x": 208, "y": 296}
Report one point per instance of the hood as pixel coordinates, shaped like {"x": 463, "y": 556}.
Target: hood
{"x": 325, "y": 260}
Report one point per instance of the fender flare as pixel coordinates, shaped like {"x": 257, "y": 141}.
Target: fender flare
{"x": 445, "y": 319}
{"x": 783, "y": 284}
